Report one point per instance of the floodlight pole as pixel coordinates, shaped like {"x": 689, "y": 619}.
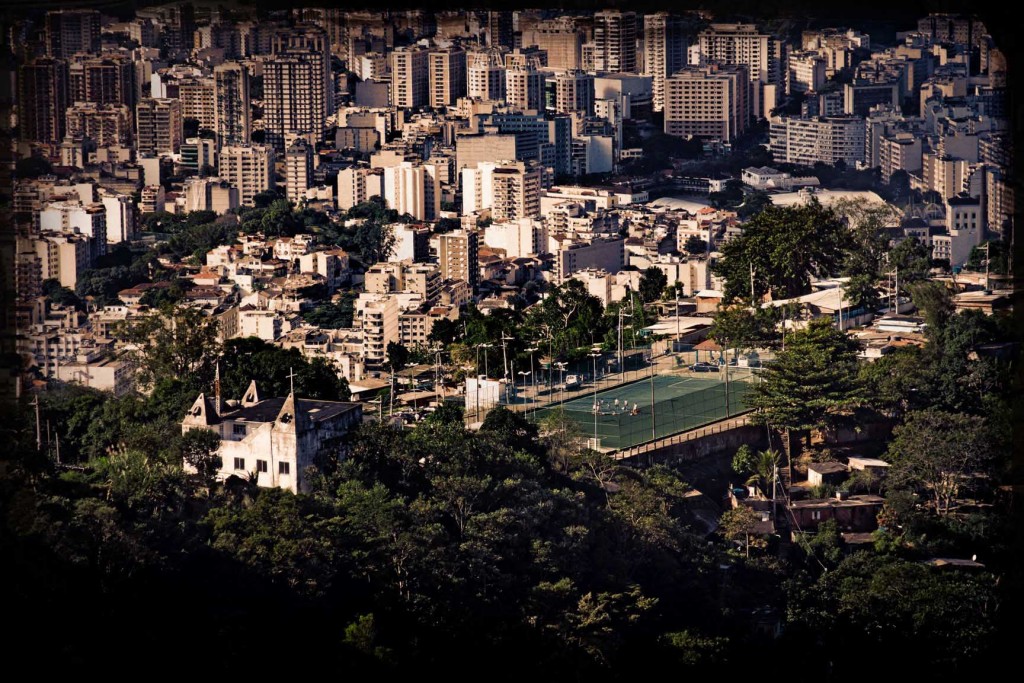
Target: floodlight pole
{"x": 595, "y": 356}
{"x": 654, "y": 424}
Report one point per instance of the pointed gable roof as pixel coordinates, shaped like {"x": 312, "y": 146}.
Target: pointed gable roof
{"x": 202, "y": 412}
{"x": 251, "y": 396}
{"x": 292, "y": 415}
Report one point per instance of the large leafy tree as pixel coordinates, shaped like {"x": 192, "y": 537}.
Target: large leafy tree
{"x": 911, "y": 260}
{"x": 61, "y": 296}
{"x": 568, "y": 318}
{"x": 935, "y": 621}
{"x": 864, "y": 260}
{"x": 695, "y": 245}
{"x": 813, "y": 384}
{"x": 251, "y": 358}
{"x": 652, "y": 282}
{"x": 199, "y": 449}
{"x": 785, "y": 247}
{"x": 634, "y": 319}
{"x": 938, "y": 453}
{"x": 742, "y": 327}
{"x": 173, "y": 343}
{"x": 900, "y": 381}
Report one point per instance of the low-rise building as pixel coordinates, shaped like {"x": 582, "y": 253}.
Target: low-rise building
{"x": 276, "y": 439}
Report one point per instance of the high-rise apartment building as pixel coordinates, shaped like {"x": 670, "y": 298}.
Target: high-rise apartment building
{"x": 446, "y": 76}
{"x": 69, "y": 32}
{"x": 63, "y": 257}
{"x": 708, "y": 102}
{"x": 120, "y": 216}
{"x": 298, "y": 170}
{"x": 232, "y": 106}
{"x": 560, "y": 38}
{"x": 250, "y": 169}
{"x": 104, "y": 124}
{"x": 485, "y": 76}
{"x": 805, "y": 72}
{"x": 298, "y": 94}
{"x": 158, "y": 126}
{"x": 198, "y": 101}
{"x": 413, "y": 189}
{"x": 199, "y": 156}
{"x": 574, "y": 92}
{"x": 665, "y": 48}
{"x": 457, "y": 254}
{"x": 377, "y": 317}
{"x": 763, "y": 55}
{"x": 103, "y": 80}
{"x": 71, "y": 217}
{"x": 42, "y": 100}
{"x": 524, "y": 89}
{"x": 615, "y": 41}
{"x": 357, "y": 185}
{"x": 511, "y": 190}
{"x": 410, "y": 82}
{"x": 499, "y": 29}
{"x": 827, "y": 139}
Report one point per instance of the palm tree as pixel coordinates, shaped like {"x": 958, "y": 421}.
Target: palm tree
{"x": 765, "y": 467}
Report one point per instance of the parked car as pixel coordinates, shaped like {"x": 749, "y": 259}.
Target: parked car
{"x": 703, "y": 367}
{"x": 572, "y": 381}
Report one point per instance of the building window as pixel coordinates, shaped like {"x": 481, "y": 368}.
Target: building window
{"x": 815, "y": 514}
{"x": 284, "y": 468}
{"x": 238, "y": 429}
{"x": 261, "y": 465}
{"x": 239, "y": 463}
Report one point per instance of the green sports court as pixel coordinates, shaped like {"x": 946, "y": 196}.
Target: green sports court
{"x": 681, "y": 403}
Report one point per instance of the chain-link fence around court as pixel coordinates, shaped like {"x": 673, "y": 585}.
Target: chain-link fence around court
{"x": 622, "y": 416}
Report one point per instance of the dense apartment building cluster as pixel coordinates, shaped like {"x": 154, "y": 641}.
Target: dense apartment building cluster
{"x": 932, "y": 109}
{"x": 493, "y": 124}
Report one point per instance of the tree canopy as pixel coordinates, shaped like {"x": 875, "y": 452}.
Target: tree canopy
{"x": 940, "y": 454}
{"x": 784, "y": 247}
{"x": 813, "y": 384}
{"x": 251, "y": 358}
{"x": 652, "y": 283}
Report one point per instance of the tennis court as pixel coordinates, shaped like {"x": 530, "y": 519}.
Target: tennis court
{"x": 681, "y": 402}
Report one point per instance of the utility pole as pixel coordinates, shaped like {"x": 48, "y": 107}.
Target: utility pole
{"x": 39, "y": 430}
{"x": 678, "y": 336}
{"x": 437, "y": 374}
{"x": 510, "y": 390}
{"x": 987, "y": 258}
{"x": 504, "y": 357}
{"x": 728, "y": 410}
{"x": 504, "y": 352}
{"x": 753, "y": 300}
{"x": 622, "y": 367}
{"x": 839, "y": 291}
{"x": 391, "y": 395}
{"x": 785, "y": 314}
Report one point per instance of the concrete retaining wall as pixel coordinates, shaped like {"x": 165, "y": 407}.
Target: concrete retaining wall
{"x": 728, "y": 440}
